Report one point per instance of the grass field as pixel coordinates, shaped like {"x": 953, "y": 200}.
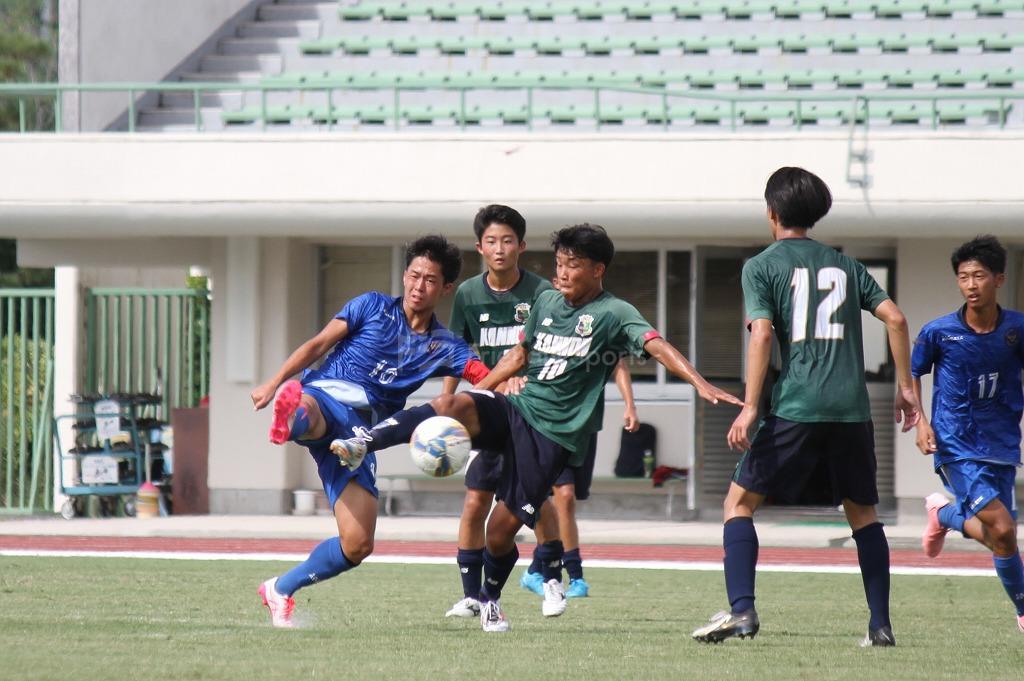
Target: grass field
{"x": 103, "y": 618}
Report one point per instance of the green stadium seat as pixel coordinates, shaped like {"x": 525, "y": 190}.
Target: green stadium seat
{"x": 557, "y": 45}
{"x": 854, "y": 42}
{"x": 904, "y": 42}
{"x": 427, "y": 114}
{"x": 567, "y": 114}
{"x": 451, "y": 11}
{"x": 704, "y": 80}
{"x": 816, "y": 113}
{"x": 1003, "y": 42}
{"x": 364, "y": 11}
{"x": 802, "y": 80}
{"x": 376, "y": 115}
{"x": 750, "y": 44}
{"x": 801, "y": 42}
{"x": 499, "y": 11}
{"x": 760, "y": 79}
{"x": 794, "y": 9}
{"x": 620, "y": 113}
{"x": 548, "y": 11}
{"x": 607, "y": 44}
{"x": 858, "y": 78}
{"x": 959, "y": 77}
{"x": 321, "y": 46}
{"x": 943, "y": 9}
{"x": 411, "y": 44}
{"x": 902, "y": 112}
{"x": 844, "y": 9}
{"x": 646, "y": 10}
{"x": 895, "y": 9}
{"x": 1006, "y": 77}
{"x": 998, "y": 8}
{"x": 761, "y": 114}
{"x": 364, "y": 44}
{"x": 953, "y": 42}
{"x": 908, "y": 78}
{"x": 711, "y": 114}
{"x": 703, "y": 43}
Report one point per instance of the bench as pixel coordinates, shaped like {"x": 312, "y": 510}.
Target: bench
{"x": 414, "y": 484}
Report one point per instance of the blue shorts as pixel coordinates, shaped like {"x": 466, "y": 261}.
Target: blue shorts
{"x": 340, "y": 419}
{"x": 975, "y": 484}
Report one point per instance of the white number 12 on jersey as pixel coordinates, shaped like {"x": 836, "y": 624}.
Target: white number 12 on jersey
{"x": 831, "y": 279}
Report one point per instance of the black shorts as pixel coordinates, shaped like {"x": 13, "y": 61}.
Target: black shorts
{"x": 580, "y": 476}
{"x": 530, "y": 461}
{"x": 484, "y": 471}
{"x": 784, "y": 454}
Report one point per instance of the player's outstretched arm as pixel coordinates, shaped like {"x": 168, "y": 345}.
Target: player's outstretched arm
{"x": 304, "y": 355}
{"x": 908, "y": 408}
{"x": 759, "y": 352}
{"x": 925, "y": 435}
{"x": 509, "y": 365}
{"x": 624, "y": 382}
{"x": 673, "y": 360}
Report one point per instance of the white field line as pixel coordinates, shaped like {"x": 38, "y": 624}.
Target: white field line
{"x": 433, "y": 560}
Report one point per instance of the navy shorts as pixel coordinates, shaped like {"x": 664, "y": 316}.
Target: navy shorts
{"x": 340, "y": 419}
{"x": 784, "y": 454}
{"x": 484, "y": 471}
{"x": 530, "y": 461}
{"x": 580, "y": 476}
{"x": 975, "y": 484}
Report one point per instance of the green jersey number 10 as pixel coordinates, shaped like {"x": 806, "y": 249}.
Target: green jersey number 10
{"x": 831, "y": 279}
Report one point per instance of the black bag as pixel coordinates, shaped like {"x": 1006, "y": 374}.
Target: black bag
{"x": 633, "y": 449}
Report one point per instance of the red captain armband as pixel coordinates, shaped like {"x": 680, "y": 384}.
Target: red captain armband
{"x": 651, "y": 335}
{"x": 475, "y": 371}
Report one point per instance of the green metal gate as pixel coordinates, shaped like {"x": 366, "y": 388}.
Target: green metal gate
{"x": 154, "y": 341}
{"x": 26, "y": 400}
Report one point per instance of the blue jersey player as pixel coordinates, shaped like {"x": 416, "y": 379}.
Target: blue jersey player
{"x": 977, "y": 354}
{"x": 381, "y": 349}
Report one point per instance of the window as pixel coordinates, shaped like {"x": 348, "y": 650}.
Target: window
{"x": 633, "y": 277}
{"x": 878, "y": 364}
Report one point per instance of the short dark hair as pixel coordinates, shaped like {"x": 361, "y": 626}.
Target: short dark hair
{"x": 984, "y": 248}
{"x": 797, "y": 197}
{"x": 435, "y": 247}
{"x": 502, "y": 215}
{"x": 585, "y": 240}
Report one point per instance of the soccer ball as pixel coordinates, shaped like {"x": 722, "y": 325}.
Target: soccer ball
{"x": 440, "y": 446}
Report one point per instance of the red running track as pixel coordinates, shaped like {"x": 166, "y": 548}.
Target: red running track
{"x": 625, "y": 552}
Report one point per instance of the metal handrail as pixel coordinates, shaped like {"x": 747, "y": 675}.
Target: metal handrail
{"x": 56, "y": 90}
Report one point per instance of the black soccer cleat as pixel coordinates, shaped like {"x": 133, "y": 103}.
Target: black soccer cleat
{"x": 881, "y": 637}
{"x": 727, "y": 625}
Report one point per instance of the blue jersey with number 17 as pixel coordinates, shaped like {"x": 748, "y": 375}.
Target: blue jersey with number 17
{"x": 977, "y": 398}
{"x": 382, "y": 360}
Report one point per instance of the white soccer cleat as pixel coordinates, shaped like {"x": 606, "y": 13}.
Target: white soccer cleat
{"x": 279, "y": 605}
{"x": 467, "y": 607}
{"x": 554, "y": 599}
{"x": 492, "y": 619}
{"x": 351, "y": 451}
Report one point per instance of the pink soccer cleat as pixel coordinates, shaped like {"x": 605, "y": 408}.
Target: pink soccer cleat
{"x": 934, "y": 534}
{"x": 1020, "y": 623}
{"x": 280, "y": 606}
{"x": 286, "y": 402}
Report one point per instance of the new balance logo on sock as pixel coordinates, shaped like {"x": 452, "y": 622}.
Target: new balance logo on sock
{"x": 491, "y": 581}
{"x": 555, "y": 563}
{"x": 528, "y": 508}
{"x": 464, "y": 571}
{"x": 313, "y": 578}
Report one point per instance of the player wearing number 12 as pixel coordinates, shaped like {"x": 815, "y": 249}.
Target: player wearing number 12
{"x": 811, "y": 296}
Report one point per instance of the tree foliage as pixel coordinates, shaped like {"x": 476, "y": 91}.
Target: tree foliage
{"x": 28, "y": 54}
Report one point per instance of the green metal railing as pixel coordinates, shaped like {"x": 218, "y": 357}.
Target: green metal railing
{"x": 154, "y": 341}
{"x": 26, "y": 400}
{"x": 1000, "y": 98}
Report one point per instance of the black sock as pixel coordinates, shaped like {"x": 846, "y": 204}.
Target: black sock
{"x": 471, "y": 565}
{"x": 537, "y": 566}
{"x": 551, "y": 560}
{"x": 739, "y": 538}
{"x": 397, "y": 429}
{"x": 873, "y": 555}
{"x": 573, "y": 564}
{"x": 496, "y": 572}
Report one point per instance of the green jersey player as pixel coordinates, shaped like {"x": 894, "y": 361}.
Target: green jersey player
{"x": 811, "y": 297}
{"x": 572, "y": 342}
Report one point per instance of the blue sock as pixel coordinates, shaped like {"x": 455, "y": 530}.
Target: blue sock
{"x": 950, "y": 516}
{"x": 739, "y": 538}
{"x": 300, "y": 424}
{"x": 537, "y": 566}
{"x": 551, "y": 559}
{"x": 1011, "y": 573}
{"x": 496, "y": 572}
{"x": 873, "y": 555}
{"x": 327, "y": 560}
{"x": 397, "y": 429}
{"x": 573, "y": 564}
{"x": 471, "y": 565}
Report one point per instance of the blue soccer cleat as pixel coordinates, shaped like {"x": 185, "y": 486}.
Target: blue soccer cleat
{"x": 533, "y": 581}
{"x": 578, "y": 588}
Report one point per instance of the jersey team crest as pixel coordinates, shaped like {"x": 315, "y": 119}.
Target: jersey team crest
{"x": 522, "y": 312}
{"x": 585, "y": 325}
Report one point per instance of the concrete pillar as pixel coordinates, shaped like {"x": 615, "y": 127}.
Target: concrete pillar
{"x": 67, "y": 361}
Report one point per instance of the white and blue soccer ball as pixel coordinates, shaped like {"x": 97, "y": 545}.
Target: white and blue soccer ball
{"x": 440, "y": 446}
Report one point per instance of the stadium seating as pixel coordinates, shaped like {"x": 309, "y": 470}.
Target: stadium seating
{"x": 466, "y": 63}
